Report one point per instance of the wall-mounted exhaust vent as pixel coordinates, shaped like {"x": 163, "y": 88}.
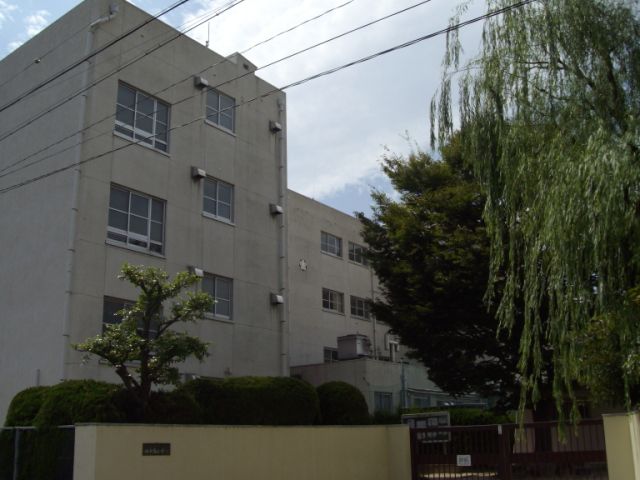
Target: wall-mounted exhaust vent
{"x": 274, "y": 126}
{"x": 277, "y": 299}
{"x": 197, "y": 173}
{"x": 198, "y": 272}
{"x": 200, "y": 82}
{"x": 275, "y": 209}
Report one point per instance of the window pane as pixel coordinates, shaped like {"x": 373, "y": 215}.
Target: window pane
{"x": 162, "y": 113}
{"x": 209, "y": 206}
{"x": 226, "y": 122}
{"x": 124, "y": 115}
{"x": 138, "y": 225}
{"x": 139, "y": 205}
{"x": 207, "y": 285}
{"x": 156, "y": 231}
{"x": 224, "y": 192}
{"x": 157, "y": 210}
{"x": 224, "y": 211}
{"x": 126, "y": 96}
{"x": 210, "y": 189}
{"x": 223, "y": 307}
{"x": 226, "y": 105}
{"x": 119, "y": 199}
{"x": 118, "y": 219}
{"x": 146, "y": 104}
{"x": 223, "y": 288}
{"x": 145, "y": 123}
{"x": 212, "y": 100}
{"x": 117, "y": 237}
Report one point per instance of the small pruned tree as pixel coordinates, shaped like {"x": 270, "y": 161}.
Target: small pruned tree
{"x": 144, "y": 348}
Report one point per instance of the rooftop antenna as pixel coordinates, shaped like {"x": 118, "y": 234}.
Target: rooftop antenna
{"x": 208, "y": 34}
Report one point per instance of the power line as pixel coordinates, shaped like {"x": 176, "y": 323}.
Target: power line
{"x": 450, "y": 28}
{"x": 108, "y": 75}
{"x": 294, "y": 27}
{"x": 90, "y": 55}
{"x": 287, "y": 57}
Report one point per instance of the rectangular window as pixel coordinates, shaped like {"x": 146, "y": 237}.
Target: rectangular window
{"x": 142, "y": 117}
{"x": 332, "y": 300}
{"x": 357, "y": 254}
{"x": 110, "y": 315}
{"x": 136, "y": 220}
{"x": 221, "y": 110}
{"x": 360, "y": 307}
{"x": 330, "y": 244}
{"x": 218, "y": 199}
{"x": 330, "y": 355}
{"x": 221, "y": 289}
{"x": 383, "y": 401}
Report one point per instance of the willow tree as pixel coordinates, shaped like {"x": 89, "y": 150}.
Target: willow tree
{"x": 550, "y": 118}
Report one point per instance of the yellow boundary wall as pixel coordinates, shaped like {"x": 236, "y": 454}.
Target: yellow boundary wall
{"x": 622, "y": 437}
{"x": 237, "y": 453}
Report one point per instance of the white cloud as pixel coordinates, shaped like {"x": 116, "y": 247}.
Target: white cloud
{"x": 5, "y": 11}
{"x": 35, "y": 23}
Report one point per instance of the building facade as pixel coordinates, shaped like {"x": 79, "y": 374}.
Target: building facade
{"x": 122, "y": 140}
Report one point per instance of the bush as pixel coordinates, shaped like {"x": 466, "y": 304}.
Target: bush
{"x": 342, "y": 404}
{"x": 385, "y": 418}
{"x": 76, "y": 401}
{"x": 255, "y": 401}
{"x": 25, "y": 406}
{"x": 467, "y": 416}
{"x": 176, "y": 407}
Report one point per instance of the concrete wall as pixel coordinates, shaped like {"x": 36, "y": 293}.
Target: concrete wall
{"x": 311, "y": 327}
{"x": 57, "y": 265}
{"x": 622, "y": 438}
{"x": 104, "y": 452}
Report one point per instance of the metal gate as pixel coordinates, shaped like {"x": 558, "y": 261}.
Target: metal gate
{"x": 510, "y": 452}
{"x": 27, "y": 453}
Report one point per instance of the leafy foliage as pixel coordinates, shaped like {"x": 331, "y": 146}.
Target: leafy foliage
{"x": 144, "y": 337}
{"x": 430, "y": 252}
{"x": 549, "y": 119}
{"x": 254, "y": 401}
{"x": 342, "y": 404}
{"x": 25, "y": 406}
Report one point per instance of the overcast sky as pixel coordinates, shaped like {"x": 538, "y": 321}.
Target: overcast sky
{"x": 339, "y": 125}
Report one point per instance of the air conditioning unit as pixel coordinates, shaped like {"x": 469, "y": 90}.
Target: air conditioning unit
{"x": 353, "y": 346}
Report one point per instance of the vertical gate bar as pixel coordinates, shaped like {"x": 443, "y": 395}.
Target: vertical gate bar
{"x": 16, "y": 452}
{"x": 414, "y": 453}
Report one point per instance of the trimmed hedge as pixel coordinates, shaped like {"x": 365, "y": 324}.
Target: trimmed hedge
{"x": 25, "y": 406}
{"x": 467, "y": 416}
{"x": 342, "y": 404}
{"x": 254, "y": 401}
{"x": 75, "y": 401}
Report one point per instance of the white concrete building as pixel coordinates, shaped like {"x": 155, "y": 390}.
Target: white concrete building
{"x": 172, "y": 157}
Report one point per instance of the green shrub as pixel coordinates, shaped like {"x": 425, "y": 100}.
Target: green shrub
{"x": 385, "y": 418}
{"x": 255, "y": 401}
{"x": 467, "y": 416}
{"x": 342, "y": 404}
{"x": 76, "y": 401}
{"x": 176, "y": 407}
{"x": 25, "y": 406}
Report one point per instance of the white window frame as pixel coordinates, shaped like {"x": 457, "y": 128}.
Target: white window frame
{"x": 217, "y": 201}
{"x": 215, "y": 110}
{"x": 360, "y": 307}
{"x": 330, "y": 244}
{"x": 215, "y": 281}
{"x": 132, "y": 239}
{"x": 357, "y": 254}
{"x": 332, "y": 301}
{"x": 132, "y": 131}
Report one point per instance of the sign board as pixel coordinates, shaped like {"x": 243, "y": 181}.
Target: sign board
{"x": 463, "y": 460}
{"x": 156, "y": 449}
{"x": 428, "y": 420}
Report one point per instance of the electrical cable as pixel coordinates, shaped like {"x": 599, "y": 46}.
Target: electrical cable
{"x": 90, "y": 55}
{"x": 287, "y": 57}
{"x": 450, "y": 28}
{"x": 26, "y": 123}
